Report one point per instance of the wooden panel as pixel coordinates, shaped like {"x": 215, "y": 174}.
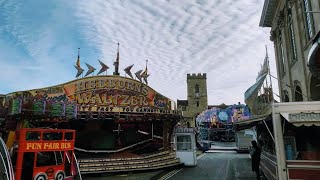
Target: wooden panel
{"x": 302, "y": 162}
{"x": 306, "y": 174}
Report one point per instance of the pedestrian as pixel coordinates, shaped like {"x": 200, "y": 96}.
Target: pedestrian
{"x": 255, "y": 153}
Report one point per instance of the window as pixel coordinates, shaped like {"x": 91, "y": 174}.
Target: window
{"x": 197, "y": 103}
{"x": 33, "y": 136}
{"x": 281, "y": 53}
{"x": 184, "y": 142}
{"x": 52, "y": 136}
{"x": 196, "y": 89}
{"x": 298, "y": 94}
{"x": 308, "y": 19}
{"x": 292, "y": 38}
{"x": 68, "y": 136}
{"x": 285, "y": 96}
{"x": 50, "y": 158}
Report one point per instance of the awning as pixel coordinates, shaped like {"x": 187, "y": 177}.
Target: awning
{"x": 299, "y": 119}
{"x": 314, "y": 58}
{"x": 249, "y": 123}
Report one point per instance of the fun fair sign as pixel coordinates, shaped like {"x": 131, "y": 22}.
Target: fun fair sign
{"x": 115, "y": 91}
{"x": 47, "y": 146}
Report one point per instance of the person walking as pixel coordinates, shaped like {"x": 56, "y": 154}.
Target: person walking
{"x": 255, "y": 153}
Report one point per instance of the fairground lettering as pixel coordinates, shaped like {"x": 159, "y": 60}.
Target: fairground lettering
{"x": 48, "y": 146}
{"x": 104, "y": 99}
{"x": 301, "y": 117}
{"x": 121, "y": 84}
{"x": 127, "y": 109}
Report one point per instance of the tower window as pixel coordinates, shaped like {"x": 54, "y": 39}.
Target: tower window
{"x": 196, "y": 89}
{"x": 197, "y": 103}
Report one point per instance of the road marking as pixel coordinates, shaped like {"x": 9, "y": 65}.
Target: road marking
{"x": 200, "y": 156}
{"x": 170, "y": 174}
{"x": 174, "y": 172}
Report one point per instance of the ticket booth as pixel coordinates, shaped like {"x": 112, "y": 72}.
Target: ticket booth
{"x": 185, "y": 145}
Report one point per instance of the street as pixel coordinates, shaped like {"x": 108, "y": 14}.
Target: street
{"x": 219, "y": 166}
{"x": 221, "y": 162}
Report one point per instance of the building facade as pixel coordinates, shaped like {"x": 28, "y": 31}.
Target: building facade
{"x": 295, "y": 31}
{"x": 197, "y": 100}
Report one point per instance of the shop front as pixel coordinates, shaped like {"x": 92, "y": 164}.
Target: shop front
{"x": 289, "y": 139}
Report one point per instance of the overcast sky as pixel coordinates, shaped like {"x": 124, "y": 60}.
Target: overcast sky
{"x": 39, "y": 41}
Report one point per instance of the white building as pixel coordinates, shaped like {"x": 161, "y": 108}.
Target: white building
{"x": 295, "y": 27}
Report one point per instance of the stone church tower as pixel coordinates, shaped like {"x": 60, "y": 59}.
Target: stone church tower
{"x": 197, "y": 98}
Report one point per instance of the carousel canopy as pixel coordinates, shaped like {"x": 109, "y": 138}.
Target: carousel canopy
{"x": 230, "y": 114}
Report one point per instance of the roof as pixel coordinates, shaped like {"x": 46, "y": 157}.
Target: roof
{"x": 221, "y": 106}
{"x": 268, "y": 12}
{"x": 248, "y": 123}
{"x": 185, "y": 130}
{"x": 182, "y": 102}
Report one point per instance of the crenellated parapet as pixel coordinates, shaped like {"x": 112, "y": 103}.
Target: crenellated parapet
{"x": 197, "y": 76}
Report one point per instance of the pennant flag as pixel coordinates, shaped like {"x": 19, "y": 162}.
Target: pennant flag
{"x": 145, "y": 72}
{"x": 138, "y": 75}
{"x": 90, "y": 69}
{"x": 80, "y": 71}
{"x": 78, "y": 61}
{"x": 103, "y": 67}
{"x": 77, "y": 66}
{"x": 128, "y": 70}
{"x": 116, "y": 63}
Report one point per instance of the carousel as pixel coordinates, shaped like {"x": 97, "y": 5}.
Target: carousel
{"x": 111, "y": 113}
{"x": 216, "y": 124}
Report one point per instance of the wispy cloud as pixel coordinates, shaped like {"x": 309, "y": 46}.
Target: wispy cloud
{"x": 220, "y": 38}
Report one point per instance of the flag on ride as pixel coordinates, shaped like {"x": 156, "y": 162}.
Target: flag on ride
{"x": 250, "y": 96}
{"x": 78, "y": 61}
{"x": 145, "y": 72}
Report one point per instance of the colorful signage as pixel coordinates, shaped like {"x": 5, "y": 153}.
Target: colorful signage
{"x": 126, "y": 109}
{"x": 94, "y": 94}
{"x": 230, "y": 114}
{"x": 116, "y": 91}
{"x": 47, "y": 146}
